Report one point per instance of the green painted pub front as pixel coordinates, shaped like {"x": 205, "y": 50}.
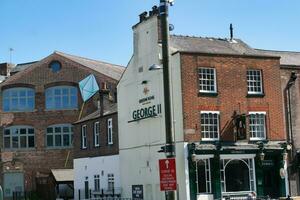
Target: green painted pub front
{"x": 235, "y": 170}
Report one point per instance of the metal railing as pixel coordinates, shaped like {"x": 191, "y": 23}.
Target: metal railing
{"x": 105, "y": 194}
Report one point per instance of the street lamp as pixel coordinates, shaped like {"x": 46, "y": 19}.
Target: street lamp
{"x": 154, "y": 67}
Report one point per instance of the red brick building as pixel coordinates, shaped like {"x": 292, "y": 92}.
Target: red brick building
{"x": 227, "y": 117}
{"x": 39, "y": 104}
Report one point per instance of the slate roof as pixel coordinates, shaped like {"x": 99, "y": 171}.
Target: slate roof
{"x": 22, "y": 66}
{"x": 111, "y": 70}
{"x": 287, "y": 57}
{"x": 213, "y": 46}
{"x": 109, "y": 108}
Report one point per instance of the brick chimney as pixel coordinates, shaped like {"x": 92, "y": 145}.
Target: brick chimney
{"x": 5, "y": 69}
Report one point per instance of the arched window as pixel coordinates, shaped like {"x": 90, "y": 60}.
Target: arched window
{"x": 61, "y": 97}
{"x": 59, "y": 135}
{"x": 237, "y": 175}
{"x": 18, "y": 99}
{"x": 16, "y": 137}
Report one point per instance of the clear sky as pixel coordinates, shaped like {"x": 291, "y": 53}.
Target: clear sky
{"x": 101, "y": 29}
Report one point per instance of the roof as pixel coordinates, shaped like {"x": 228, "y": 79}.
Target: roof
{"x": 213, "y": 46}
{"x": 63, "y": 175}
{"x": 111, "y": 70}
{"x": 287, "y": 57}
{"x": 22, "y": 66}
{"x": 109, "y": 108}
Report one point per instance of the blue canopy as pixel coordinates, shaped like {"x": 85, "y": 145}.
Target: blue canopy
{"x": 88, "y": 87}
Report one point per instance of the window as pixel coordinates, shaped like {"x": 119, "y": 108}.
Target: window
{"x": 16, "y": 137}
{"x": 61, "y": 97}
{"x": 109, "y": 131}
{"x": 203, "y": 176}
{"x": 257, "y": 125}
{"x": 96, "y": 134}
{"x": 60, "y": 135}
{"x": 237, "y": 175}
{"x": 210, "y": 125}
{"x": 83, "y": 137}
{"x": 97, "y": 182}
{"x": 254, "y": 81}
{"x": 55, "y": 66}
{"x": 111, "y": 182}
{"x": 18, "y": 99}
{"x": 207, "y": 80}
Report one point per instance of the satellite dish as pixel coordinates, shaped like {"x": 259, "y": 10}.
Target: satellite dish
{"x": 171, "y": 27}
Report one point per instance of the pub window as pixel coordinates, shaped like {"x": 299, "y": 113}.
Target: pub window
{"x": 203, "y": 176}
{"x": 207, "y": 80}
{"x": 254, "y": 81}
{"x": 210, "y": 125}
{"x": 257, "y": 125}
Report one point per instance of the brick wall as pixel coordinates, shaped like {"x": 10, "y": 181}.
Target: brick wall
{"x": 232, "y": 93}
{"x": 104, "y": 149}
{"x": 39, "y": 76}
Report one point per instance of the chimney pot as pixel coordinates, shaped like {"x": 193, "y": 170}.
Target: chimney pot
{"x": 143, "y": 16}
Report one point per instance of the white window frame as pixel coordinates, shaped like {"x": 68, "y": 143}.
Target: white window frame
{"x": 207, "y": 175}
{"x": 97, "y": 182}
{"x": 218, "y": 125}
{"x": 96, "y": 134}
{"x": 109, "y": 131}
{"x": 83, "y": 137}
{"x": 265, "y": 132}
{"x": 215, "y": 80}
{"x": 261, "y": 82}
{"x": 110, "y": 181}
{"x": 225, "y": 159}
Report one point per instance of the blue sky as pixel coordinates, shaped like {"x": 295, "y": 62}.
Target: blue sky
{"x": 101, "y": 29}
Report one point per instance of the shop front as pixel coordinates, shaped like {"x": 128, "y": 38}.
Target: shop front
{"x": 234, "y": 171}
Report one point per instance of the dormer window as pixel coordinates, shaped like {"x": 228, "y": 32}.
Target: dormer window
{"x": 55, "y": 66}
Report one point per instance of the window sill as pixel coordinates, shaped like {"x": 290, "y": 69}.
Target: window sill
{"x": 207, "y": 94}
{"x": 58, "y": 148}
{"x": 19, "y": 149}
{"x": 18, "y": 111}
{"x": 255, "y": 95}
{"x": 62, "y": 109}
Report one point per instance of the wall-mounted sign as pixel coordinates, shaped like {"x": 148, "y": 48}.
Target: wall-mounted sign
{"x": 137, "y": 192}
{"x": 167, "y": 174}
{"x": 146, "y": 112}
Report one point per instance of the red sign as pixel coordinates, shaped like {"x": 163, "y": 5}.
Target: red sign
{"x": 167, "y": 174}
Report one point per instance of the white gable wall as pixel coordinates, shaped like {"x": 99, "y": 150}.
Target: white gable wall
{"x": 139, "y": 141}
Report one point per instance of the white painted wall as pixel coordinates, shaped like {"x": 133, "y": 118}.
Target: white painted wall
{"x": 140, "y": 141}
{"x": 88, "y": 167}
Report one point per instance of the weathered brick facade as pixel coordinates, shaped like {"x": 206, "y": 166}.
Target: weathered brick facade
{"x": 104, "y": 149}
{"x": 231, "y": 93}
{"x": 38, "y": 161}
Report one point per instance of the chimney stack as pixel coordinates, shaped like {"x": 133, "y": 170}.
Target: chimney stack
{"x": 143, "y": 16}
{"x": 231, "y": 32}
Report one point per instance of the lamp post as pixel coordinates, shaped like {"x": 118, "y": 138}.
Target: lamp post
{"x": 164, "y": 26}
